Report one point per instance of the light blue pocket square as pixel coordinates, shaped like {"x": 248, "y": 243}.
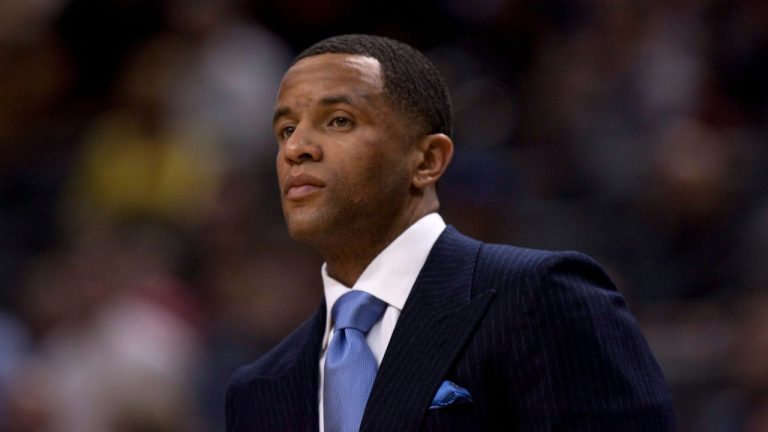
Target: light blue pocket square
{"x": 448, "y": 394}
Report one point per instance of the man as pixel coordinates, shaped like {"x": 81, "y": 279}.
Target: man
{"x": 458, "y": 334}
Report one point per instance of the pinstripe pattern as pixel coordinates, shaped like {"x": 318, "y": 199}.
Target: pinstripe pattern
{"x": 541, "y": 340}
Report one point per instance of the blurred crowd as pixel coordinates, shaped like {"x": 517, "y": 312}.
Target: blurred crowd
{"x": 143, "y": 254}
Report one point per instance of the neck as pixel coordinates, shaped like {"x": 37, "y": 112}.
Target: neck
{"x": 347, "y": 260}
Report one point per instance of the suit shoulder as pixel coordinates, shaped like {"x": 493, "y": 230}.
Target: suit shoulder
{"x": 508, "y": 258}
{"x": 263, "y": 380}
{"x": 281, "y": 358}
{"x": 502, "y": 257}
{"x": 541, "y": 273}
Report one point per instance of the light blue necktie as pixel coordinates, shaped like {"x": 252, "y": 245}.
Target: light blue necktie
{"x": 350, "y": 366}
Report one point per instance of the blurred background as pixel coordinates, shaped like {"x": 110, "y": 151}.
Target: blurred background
{"x": 143, "y": 254}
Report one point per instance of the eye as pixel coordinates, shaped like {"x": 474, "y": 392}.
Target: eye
{"x": 340, "y": 122}
{"x": 286, "y": 132}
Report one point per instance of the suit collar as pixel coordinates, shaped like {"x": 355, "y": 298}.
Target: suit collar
{"x": 436, "y": 321}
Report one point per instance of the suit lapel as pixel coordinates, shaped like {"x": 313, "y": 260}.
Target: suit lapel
{"x": 295, "y": 385}
{"x": 309, "y": 384}
{"x": 435, "y": 323}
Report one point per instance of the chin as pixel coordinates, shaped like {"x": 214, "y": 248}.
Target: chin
{"x": 305, "y": 229}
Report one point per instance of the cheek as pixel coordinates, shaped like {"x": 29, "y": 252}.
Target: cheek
{"x": 280, "y": 165}
{"x": 385, "y": 173}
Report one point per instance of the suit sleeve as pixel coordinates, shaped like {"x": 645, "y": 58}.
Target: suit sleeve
{"x": 587, "y": 365}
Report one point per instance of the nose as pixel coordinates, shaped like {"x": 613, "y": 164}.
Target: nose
{"x": 300, "y": 147}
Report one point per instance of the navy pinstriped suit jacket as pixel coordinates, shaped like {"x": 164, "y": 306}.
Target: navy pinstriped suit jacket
{"x": 541, "y": 340}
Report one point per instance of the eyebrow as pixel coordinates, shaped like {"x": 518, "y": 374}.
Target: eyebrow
{"x": 326, "y": 101}
{"x": 336, "y": 99}
{"x": 279, "y": 113}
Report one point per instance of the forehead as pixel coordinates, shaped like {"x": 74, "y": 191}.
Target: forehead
{"x": 318, "y": 75}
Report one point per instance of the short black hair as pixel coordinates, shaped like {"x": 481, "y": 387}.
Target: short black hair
{"x": 412, "y": 84}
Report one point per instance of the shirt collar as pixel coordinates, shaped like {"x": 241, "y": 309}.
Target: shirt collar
{"x": 391, "y": 275}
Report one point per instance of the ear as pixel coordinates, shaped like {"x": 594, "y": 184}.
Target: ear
{"x": 434, "y": 155}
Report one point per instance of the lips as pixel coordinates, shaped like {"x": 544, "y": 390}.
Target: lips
{"x": 300, "y": 185}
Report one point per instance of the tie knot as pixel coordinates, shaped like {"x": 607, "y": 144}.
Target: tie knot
{"x": 358, "y": 310}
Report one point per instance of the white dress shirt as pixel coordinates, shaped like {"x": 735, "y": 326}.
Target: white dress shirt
{"x": 389, "y": 277}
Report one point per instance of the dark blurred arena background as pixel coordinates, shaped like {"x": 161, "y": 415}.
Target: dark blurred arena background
{"x": 142, "y": 249}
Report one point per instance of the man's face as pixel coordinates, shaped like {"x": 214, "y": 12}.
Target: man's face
{"x": 344, "y": 159}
